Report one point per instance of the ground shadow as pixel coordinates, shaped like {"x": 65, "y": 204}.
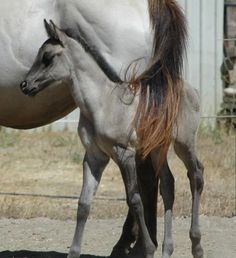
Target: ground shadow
{"x": 30, "y": 254}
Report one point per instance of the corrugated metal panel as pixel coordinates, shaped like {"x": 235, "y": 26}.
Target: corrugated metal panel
{"x": 202, "y": 68}
{"x": 205, "y": 54}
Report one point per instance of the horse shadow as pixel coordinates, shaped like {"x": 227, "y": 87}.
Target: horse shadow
{"x": 32, "y": 254}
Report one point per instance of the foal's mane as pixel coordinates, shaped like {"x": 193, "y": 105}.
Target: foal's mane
{"x": 161, "y": 84}
{"x": 79, "y": 36}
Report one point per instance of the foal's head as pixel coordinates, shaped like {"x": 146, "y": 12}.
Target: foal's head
{"x": 51, "y": 64}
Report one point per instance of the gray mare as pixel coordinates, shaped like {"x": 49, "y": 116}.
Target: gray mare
{"x": 106, "y": 131}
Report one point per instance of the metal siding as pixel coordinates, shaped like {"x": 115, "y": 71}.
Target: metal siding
{"x": 204, "y": 58}
{"x": 219, "y": 51}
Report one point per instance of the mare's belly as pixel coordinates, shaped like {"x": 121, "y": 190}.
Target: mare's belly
{"x": 22, "y": 112}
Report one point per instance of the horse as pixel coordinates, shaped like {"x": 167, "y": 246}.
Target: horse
{"x": 18, "y": 47}
{"x": 147, "y": 108}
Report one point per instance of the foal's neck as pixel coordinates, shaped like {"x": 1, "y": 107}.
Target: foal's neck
{"x": 91, "y": 87}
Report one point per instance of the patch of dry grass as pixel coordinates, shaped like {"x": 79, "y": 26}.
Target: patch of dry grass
{"x": 49, "y": 163}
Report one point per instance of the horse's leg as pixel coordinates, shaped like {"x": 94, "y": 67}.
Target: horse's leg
{"x": 128, "y": 236}
{"x": 148, "y": 185}
{"x": 186, "y": 152}
{"x": 127, "y": 164}
{"x": 148, "y": 189}
{"x": 167, "y": 188}
{"x": 93, "y": 166}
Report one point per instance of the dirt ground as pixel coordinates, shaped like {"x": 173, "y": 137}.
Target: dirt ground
{"x": 41, "y": 176}
{"x": 44, "y": 236}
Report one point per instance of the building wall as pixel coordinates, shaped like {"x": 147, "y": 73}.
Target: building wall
{"x": 205, "y": 54}
{"x": 204, "y": 58}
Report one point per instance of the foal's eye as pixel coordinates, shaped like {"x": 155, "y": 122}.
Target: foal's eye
{"x": 47, "y": 59}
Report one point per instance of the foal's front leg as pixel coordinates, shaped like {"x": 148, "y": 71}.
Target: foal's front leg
{"x": 93, "y": 166}
{"x": 127, "y": 164}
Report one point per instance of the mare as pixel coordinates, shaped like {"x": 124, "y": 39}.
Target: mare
{"x": 130, "y": 121}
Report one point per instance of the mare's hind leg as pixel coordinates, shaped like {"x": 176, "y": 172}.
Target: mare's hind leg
{"x": 167, "y": 188}
{"x": 148, "y": 189}
{"x": 127, "y": 163}
{"x": 186, "y": 152}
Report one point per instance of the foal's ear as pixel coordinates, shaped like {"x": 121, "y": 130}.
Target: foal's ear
{"x": 54, "y": 32}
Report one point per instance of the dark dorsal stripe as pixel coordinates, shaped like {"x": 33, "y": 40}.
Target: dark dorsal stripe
{"x": 95, "y": 54}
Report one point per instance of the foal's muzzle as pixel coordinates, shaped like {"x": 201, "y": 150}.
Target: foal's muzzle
{"x": 28, "y": 91}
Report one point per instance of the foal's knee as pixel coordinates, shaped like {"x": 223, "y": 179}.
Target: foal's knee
{"x": 83, "y": 211}
{"x": 199, "y": 176}
{"x": 135, "y": 203}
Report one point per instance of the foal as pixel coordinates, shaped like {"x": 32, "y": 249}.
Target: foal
{"x": 106, "y": 128}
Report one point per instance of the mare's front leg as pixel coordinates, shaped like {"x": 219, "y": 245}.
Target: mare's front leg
{"x": 167, "y": 189}
{"x": 127, "y": 163}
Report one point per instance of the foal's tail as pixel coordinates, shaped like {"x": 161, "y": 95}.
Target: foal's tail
{"x": 161, "y": 83}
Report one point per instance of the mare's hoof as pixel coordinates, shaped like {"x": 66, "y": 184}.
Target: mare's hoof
{"x": 119, "y": 253}
{"x": 137, "y": 252}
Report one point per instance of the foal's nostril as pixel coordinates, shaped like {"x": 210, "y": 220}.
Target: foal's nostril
{"x": 23, "y": 84}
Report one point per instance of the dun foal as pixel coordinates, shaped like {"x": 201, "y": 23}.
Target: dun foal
{"x": 106, "y": 128}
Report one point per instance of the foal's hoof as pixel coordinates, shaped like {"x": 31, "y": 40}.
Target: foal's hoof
{"x": 73, "y": 254}
{"x": 198, "y": 252}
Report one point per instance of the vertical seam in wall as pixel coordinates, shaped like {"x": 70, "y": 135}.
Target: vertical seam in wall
{"x": 186, "y": 70}
{"x": 235, "y": 176}
{"x": 200, "y": 49}
{"x": 216, "y": 59}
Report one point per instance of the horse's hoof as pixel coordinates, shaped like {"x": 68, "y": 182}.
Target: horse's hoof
{"x": 137, "y": 252}
{"x": 73, "y": 254}
{"x": 198, "y": 252}
{"x": 119, "y": 253}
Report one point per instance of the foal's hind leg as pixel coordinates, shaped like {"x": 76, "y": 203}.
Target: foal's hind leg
{"x": 127, "y": 163}
{"x": 148, "y": 187}
{"x": 186, "y": 152}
